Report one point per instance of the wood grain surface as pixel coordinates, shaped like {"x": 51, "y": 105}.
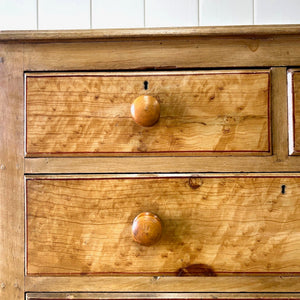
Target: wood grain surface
{"x": 11, "y": 173}
{"x": 295, "y": 112}
{"x": 228, "y": 225}
{"x": 54, "y": 165}
{"x": 147, "y": 33}
{"x": 165, "y": 54}
{"x": 162, "y": 296}
{"x": 218, "y": 284}
{"x": 148, "y": 50}
{"x": 89, "y": 114}
{"x": 279, "y": 114}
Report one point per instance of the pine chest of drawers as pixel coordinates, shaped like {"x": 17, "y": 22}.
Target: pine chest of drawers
{"x": 142, "y": 164}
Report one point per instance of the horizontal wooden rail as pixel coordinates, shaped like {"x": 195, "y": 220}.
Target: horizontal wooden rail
{"x": 209, "y": 31}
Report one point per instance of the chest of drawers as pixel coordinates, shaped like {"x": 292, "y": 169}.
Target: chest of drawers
{"x": 142, "y": 164}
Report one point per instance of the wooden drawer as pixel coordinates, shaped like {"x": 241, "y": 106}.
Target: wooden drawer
{"x": 219, "y": 225}
{"x": 219, "y": 112}
{"x": 294, "y": 111}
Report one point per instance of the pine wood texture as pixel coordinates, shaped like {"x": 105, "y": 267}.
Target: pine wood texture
{"x": 165, "y": 53}
{"x": 262, "y": 284}
{"x": 89, "y": 114}
{"x": 11, "y": 174}
{"x": 150, "y": 33}
{"x": 280, "y": 116}
{"x": 152, "y": 50}
{"x": 278, "y": 162}
{"x": 54, "y": 165}
{"x": 161, "y": 296}
{"x": 227, "y": 224}
{"x": 294, "y": 112}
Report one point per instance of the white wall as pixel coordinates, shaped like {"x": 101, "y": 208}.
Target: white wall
{"x": 91, "y": 14}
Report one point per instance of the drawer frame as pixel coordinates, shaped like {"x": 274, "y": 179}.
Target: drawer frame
{"x": 161, "y": 296}
{"x": 293, "y": 148}
{"x": 279, "y": 161}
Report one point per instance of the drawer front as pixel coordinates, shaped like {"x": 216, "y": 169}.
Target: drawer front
{"x": 210, "y": 225}
{"x": 224, "y": 112}
{"x": 294, "y": 111}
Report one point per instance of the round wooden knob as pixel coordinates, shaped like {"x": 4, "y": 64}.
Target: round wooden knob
{"x": 146, "y": 228}
{"x": 145, "y": 110}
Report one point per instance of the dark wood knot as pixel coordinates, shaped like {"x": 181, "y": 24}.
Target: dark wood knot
{"x": 196, "y": 270}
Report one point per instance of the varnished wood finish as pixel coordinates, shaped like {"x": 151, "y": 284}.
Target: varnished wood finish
{"x": 280, "y": 116}
{"x": 149, "y": 33}
{"x": 294, "y": 112}
{"x": 262, "y": 284}
{"x": 160, "y": 165}
{"x": 146, "y": 228}
{"x": 161, "y": 296}
{"x": 230, "y": 224}
{"x": 145, "y": 110}
{"x": 165, "y": 53}
{"x": 276, "y": 47}
{"x": 226, "y": 112}
{"x": 11, "y": 174}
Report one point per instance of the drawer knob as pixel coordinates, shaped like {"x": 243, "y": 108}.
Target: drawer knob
{"x": 145, "y": 110}
{"x": 146, "y": 228}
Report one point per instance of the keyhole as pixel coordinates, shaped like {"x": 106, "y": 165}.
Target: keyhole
{"x": 146, "y": 83}
{"x": 283, "y": 189}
